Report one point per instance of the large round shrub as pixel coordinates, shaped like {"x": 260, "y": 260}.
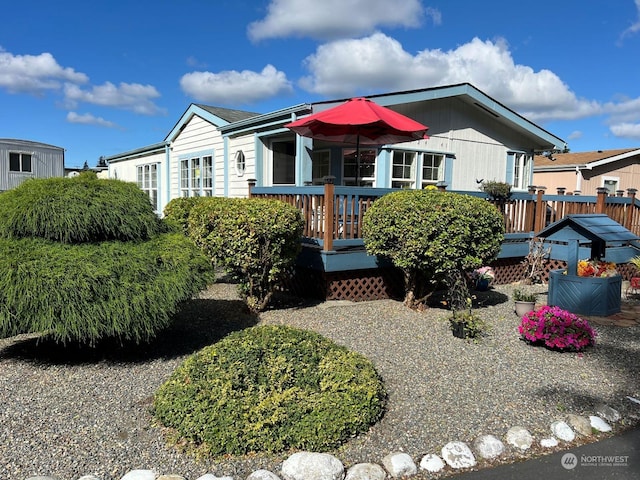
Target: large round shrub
{"x": 67, "y": 272}
{"x": 271, "y": 388}
{"x": 256, "y": 240}
{"x": 80, "y": 209}
{"x": 432, "y": 234}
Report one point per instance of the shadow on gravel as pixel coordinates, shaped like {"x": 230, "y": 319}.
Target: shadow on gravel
{"x": 489, "y": 298}
{"x": 199, "y": 322}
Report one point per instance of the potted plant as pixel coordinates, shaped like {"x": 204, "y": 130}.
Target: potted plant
{"x": 525, "y": 302}
{"x": 496, "y": 190}
{"x": 482, "y": 278}
{"x": 466, "y": 324}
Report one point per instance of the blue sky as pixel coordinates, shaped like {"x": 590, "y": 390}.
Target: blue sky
{"x": 102, "y": 77}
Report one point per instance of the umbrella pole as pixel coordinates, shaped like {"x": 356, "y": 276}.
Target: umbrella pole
{"x": 357, "y": 159}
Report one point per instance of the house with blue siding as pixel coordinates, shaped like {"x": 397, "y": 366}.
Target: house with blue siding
{"x": 24, "y": 159}
{"x": 214, "y": 151}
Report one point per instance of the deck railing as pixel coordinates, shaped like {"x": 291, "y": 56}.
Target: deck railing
{"x": 333, "y": 214}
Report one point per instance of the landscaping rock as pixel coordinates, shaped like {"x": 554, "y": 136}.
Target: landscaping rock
{"x": 263, "y": 475}
{"x": 458, "y": 455}
{"x": 366, "y": 471}
{"x": 580, "y": 424}
{"x": 312, "y": 466}
{"x": 488, "y": 446}
{"x": 140, "y": 475}
{"x": 89, "y": 477}
{"x": 519, "y": 437}
{"x": 548, "y": 442}
{"x": 608, "y": 413}
{"x": 399, "y": 465}
{"x": 431, "y": 463}
{"x": 211, "y": 476}
{"x": 171, "y": 477}
{"x": 563, "y": 431}
{"x": 599, "y": 424}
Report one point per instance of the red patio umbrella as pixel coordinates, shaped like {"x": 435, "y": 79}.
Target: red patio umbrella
{"x": 359, "y": 121}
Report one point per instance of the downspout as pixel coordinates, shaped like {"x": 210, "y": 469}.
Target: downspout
{"x": 167, "y": 194}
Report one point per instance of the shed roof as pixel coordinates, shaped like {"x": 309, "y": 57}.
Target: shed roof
{"x": 582, "y": 159}
{"x": 587, "y": 228}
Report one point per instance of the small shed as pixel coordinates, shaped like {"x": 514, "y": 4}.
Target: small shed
{"x": 591, "y": 236}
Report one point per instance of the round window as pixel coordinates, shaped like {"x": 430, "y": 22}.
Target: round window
{"x": 241, "y": 163}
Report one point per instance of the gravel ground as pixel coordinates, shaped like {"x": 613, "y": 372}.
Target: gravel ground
{"x": 71, "y": 411}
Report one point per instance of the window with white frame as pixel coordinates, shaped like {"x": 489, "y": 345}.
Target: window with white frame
{"x": 403, "y": 170}
{"x": 240, "y": 163}
{"x": 364, "y": 169}
{"x": 320, "y": 165}
{"x": 147, "y": 176}
{"x": 196, "y": 176}
{"x": 431, "y": 168}
{"x": 522, "y": 170}
{"x": 20, "y": 162}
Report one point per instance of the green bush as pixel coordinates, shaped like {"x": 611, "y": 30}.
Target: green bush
{"x": 177, "y": 211}
{"x": 80, "y": 209}
{"x": 86, "y": 292}
{"x": 255, "y": 240}
{"x": 271, "y": 388}
{"x": 434, "y": 235}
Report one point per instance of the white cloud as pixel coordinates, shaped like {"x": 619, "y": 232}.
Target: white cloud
{"x": 434, "y": 14}
{"x": 127, "y": 96}
{"x": 330, "y": 19}
{"x": 575, "y": 135}
{"x": 633, "y": 28}
{"x": 88, "y": 119}
{"x": 35, "y": 74}
{"x": 626, "y": 130}
{"x": 233, "y": 87}
{"x": 380, "y": 63}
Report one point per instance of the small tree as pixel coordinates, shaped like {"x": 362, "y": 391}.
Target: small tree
{"x": 433, "y": 237}
{"x": 255, "y": 240}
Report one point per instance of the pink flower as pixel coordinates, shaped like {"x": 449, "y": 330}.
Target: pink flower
{"x": 557, "y": 329}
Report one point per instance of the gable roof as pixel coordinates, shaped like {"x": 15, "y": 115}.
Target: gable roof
{"x": 27, "y": 143}
{"x": 217, "y": 116}
{"x": 475, "y": 98}
{"x": 569, "y": 161}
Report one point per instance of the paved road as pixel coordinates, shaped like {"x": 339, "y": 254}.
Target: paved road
{"x": 593, "y": 461}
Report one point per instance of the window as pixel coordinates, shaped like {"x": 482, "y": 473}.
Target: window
{"x": 366, "y": 173}
{"x": 321, "y": 165}
{"x": 148, "y": 182}
{"x": 611, "y": 184}
{"x": 240, "y": 163}
{"x": 431, "y": 168}
{"x": 19, "y": 162}
{"x": 522, "y": 170}
{"x": 196, "y": 176}
{"x": 284, "y": 163}
{"x": 403, "y": 170}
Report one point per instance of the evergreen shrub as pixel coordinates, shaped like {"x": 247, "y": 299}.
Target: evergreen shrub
{"x": 269, "y": 389}
{"x": 433, "y": 235}
{"x": 255, "y": 240}
{"x": 79, "y": 209}
{"x": 177, "y": 211}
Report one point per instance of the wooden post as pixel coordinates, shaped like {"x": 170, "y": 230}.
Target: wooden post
{"x": 541, "y": 211}
{"x": 601, "y": 200}
{"x": 529, "y": 215}
{"x": 329, "y": 194}
{"x": 252, "y": 183}
{"x": 573, "y": 253}
{"x": 628, "y": 219}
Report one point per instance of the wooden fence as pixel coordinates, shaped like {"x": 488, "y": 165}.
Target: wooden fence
{"x": 333, "y": 214}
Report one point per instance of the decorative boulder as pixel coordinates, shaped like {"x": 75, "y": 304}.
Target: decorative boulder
{"x": 608, "y": 413}
{"x": 580, "y": 424}
{"x": 366, "y": 471}
{"x": 488, "y": 446}
{"x": 599, "y": 424}
{"x": 563, "y": 431}
{"x": 263, "y": 475}
{"x": 458, "y": 455}
{"x": 519, "y": 437}
{"x": 399, "y": 465}
{"x": 312, "y": 466}
{"x": 431, "y": 463}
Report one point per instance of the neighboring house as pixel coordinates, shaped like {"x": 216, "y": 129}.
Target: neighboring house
{"x": 214, "y": 151}
{"x": 23, "y": 159}
{"x": 585, "y": 172}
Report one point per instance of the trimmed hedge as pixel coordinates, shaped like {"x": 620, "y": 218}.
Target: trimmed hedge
{"x": 79, "y": 209}
{"x": 433, "y": 234}
{"x": 85, "y": 292}
{"x": 268, "y": 389}
{"x": 255, "y": 240}
{"x": 177, "y": 211}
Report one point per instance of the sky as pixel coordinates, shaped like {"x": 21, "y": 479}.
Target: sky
{"x": 102, "y": 77}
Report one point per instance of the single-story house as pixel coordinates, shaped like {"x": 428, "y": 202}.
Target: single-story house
{"x": 214, "y": 151}
{"x": 585, "y": 172}
{"x": 23, "y": 159}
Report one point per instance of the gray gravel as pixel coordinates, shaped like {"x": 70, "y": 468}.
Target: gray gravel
{"x": 71, "y": 411}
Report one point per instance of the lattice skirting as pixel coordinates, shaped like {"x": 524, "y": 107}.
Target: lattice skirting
{"x": 356, "y": 285}
{"x": 382, "y": 283}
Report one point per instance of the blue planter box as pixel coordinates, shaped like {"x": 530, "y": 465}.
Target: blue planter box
{"x": 599, "y": 296}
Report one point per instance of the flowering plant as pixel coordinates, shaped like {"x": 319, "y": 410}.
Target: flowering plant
{"x": 596, "y": 268}
{"x": 484, "y": 273}
{"x": 557, "y": 329}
